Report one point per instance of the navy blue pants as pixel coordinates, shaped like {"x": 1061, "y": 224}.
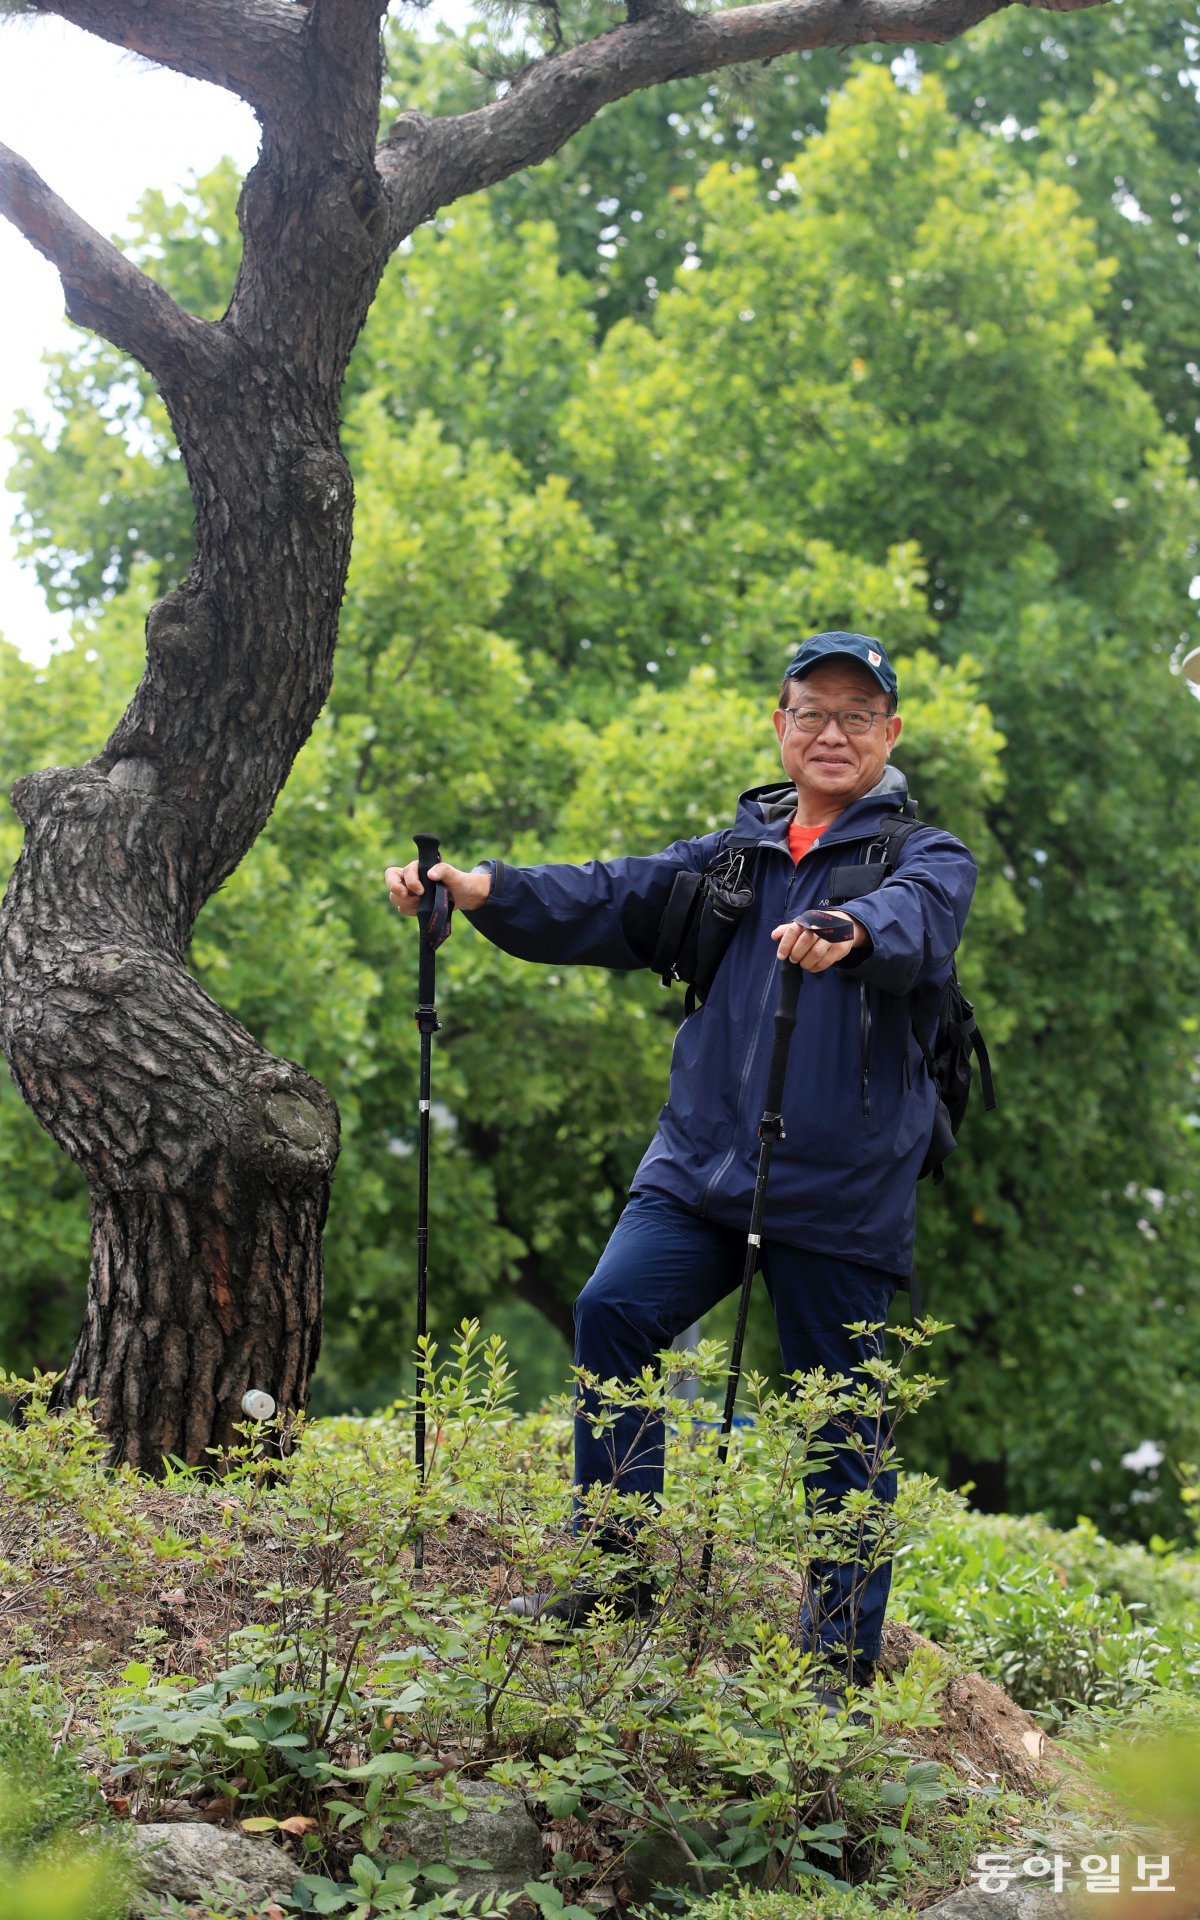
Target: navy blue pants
{"x": 661, "y": 1270}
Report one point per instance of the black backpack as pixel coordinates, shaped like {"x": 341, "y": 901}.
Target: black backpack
{"x": 957, "y": 1041}
{"x": 701, "y": 916}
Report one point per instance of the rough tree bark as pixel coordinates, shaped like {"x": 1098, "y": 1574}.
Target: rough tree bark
{"x": 209, "y": 1160}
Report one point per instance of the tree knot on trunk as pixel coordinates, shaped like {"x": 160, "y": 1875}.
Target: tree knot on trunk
{"x": 289, "y": 1130}
{"x": 180, "y": 629}
{"x": 366, "y": 197}
{"x": 320, "y": 482}
{"x": 408, "y": 133}
{"x": 38, "y": 793}
{"x": 648, "y": 9}
{"x": 134, "y": 774}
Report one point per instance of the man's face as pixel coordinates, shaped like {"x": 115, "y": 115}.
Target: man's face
{"x": 832, "y": 764}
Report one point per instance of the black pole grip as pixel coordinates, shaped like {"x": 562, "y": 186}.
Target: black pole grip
{"x": 434, "y": 910}
{"x": 429, "y": 852}
{"x": 791, "y": 979}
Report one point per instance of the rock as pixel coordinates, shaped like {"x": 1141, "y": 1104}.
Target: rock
{"x": 659, "y": 1860}
{"x": 1024, "y": 1900}
{"x": 509, "y": 1839}
{"x": 190, "y": 1860}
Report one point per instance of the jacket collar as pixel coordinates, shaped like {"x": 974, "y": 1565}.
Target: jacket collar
{"x": 767, "y": 810}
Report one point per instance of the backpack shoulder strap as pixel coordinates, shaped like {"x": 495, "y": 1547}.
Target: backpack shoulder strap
{"x": 893, "y": 833}
{"x": 847, "y": 883}
{"x": 677, "y": 914}
{"x": 985, "y": 1071}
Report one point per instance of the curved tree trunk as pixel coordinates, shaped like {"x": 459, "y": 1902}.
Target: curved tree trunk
{"x": 209, "y": 1160}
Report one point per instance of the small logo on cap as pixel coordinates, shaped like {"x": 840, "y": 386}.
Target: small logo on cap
{"x": 874, "y": 657}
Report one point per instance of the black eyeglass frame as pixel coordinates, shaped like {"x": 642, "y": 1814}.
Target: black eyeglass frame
{"x": 826, "y": 714}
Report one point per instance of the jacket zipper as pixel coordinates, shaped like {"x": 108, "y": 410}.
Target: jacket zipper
{"x": 864, "y": 1015}
{"x": 864, "y": 1029}
{"x": 765, "y": 1001}
{"x": 846, "y": 840}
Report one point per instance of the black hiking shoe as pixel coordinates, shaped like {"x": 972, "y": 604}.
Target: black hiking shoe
{"x": 579, "y": 1605}
{"x": 831, "y": 1687}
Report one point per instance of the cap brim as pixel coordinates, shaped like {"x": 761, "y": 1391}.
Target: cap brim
{"x": 855, "y": 659}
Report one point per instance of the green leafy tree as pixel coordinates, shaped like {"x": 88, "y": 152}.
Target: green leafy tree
{"x": 575, "y": 578}
{"x": 1111, "y": 109}
{"x": 209, "y": 1160}
{"x": 869, "y": 396}
{"x": 108, "y": 485}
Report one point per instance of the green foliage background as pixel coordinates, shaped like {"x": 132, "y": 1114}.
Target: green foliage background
{"x": 900, "y": 348}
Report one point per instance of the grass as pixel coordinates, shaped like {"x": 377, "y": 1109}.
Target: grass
{"x": 257, "y": 1647}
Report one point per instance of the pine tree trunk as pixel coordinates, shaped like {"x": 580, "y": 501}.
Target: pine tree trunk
{"x": 209, "y": 1160}
{"x": 192, "y": 1304}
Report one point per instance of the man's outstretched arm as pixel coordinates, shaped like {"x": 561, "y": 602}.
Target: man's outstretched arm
{"x": 604, "y": 913}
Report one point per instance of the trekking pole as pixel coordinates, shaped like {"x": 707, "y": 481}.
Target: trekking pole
{"x": 433, "y": 922}
{"x": 770, "y": 1131}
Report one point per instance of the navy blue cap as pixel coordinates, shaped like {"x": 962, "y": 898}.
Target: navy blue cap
{"x": 845, "y": 646}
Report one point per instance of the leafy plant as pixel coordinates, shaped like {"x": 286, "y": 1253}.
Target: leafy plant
{"x": 355, "y": 1689}
{"x": 1030, "y": 1608}
{"x": 817, "y": 1901}
{"x": 59, "y": 1858}
{"x": 280, "y": 1744}
{"x": 376, "y": 1888}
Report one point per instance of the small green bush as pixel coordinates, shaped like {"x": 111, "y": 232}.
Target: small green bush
{"x": 818, "y": 1901}
{"x": 1051, "y": 1617}
{"x": 57, "y": 1859}
{"x": 343, "y": 1686}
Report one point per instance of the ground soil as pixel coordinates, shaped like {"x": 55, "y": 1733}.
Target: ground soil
{"x": 982, "y": 1733}
{"x": 190, "y": 1567}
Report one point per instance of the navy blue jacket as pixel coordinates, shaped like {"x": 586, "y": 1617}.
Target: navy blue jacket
{"x": 859, "y": 1102}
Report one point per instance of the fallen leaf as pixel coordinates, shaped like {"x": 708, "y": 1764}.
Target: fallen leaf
{"x": 296, "y": 1823}
{"x": 173, "y": 1597}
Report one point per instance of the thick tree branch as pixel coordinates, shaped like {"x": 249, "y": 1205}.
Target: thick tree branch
{"x": 347, "y": 23}
{"x": 253, "y": 48}
{"x": 427, "y": 163}
{"x": 104, "y": 290}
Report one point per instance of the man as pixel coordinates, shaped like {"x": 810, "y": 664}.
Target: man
{"x": 859, "y": 1101}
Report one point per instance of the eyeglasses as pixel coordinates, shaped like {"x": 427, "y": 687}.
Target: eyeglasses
{"x": 851, "y": 720}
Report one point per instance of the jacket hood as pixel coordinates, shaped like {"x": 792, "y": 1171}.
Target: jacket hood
{"x": 768, "y": 805}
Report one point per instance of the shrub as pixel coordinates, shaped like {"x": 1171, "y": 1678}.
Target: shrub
{"x": 1044, "y": 1614}
{"x": 818, "y": 1901}
{"x": 57, "y": 1859}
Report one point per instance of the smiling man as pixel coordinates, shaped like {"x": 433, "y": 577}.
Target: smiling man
{"x": 859, "y": 1102}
